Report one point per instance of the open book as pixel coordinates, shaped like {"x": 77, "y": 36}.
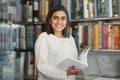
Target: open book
{"x": 79, "y": 63}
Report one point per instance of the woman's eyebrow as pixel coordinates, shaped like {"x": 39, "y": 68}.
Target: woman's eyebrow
{"x": 58, "y": 16}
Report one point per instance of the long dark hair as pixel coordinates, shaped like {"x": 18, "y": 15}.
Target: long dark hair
{"x": 49, "y": 28}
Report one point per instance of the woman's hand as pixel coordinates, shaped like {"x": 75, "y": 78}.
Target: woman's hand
{"x": 73, "y": 71}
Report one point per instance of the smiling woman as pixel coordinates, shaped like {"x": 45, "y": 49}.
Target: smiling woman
{"x": 50, "y": 51}
{"x": 58, "y": 22}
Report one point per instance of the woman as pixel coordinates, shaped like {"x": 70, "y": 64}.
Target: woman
{"x": 54, "y": 45}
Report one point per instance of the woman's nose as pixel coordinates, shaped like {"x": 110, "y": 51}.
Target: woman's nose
{"x": 59, "y": 20}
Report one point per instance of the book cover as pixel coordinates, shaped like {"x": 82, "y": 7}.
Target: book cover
{"x": 80, "y": 63}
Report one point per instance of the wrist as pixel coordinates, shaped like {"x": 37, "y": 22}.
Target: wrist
{"x": 67, "y": 72}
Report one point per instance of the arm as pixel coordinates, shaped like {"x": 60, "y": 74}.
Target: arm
{"x": 72, "y": 70}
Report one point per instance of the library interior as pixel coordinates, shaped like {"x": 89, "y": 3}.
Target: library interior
{"x": 93, "y": 23}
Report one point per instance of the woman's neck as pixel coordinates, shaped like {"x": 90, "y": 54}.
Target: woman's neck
{"x": 59, "y": 34}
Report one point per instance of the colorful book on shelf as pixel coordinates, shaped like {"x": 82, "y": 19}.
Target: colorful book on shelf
{"x": 115, "y": 4}
{"x": 116, "y": 28}
{"x": 112, "y": 43}
{"x": 85, "y": 36}
{"x": 102, "y": 3}
{"x": 107, "y": 8}
{"x": 110, "y": 37}
{"x": 75, "y": 32}
{"x": 1, "y": 36}
{"x": 80, "y": 63}
{"x": 91, "y": 9}
{"x": 80, "y": 34}
{"x": 46, "y": 8}
{"x": 105, "y": 36}
{"x": 96, "y": 40}
{"x": 119, "y": 37}
{"x": 82, "y": 44}
{"x": 73, "y": 4}
{"x": 100, "y": 34}
{"x": 85, "y": 8}
{"x": 89, "y": 35}
{"x": 95, "y": 8}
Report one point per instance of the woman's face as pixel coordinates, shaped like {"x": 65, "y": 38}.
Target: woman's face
{"x": 58, "y": 21}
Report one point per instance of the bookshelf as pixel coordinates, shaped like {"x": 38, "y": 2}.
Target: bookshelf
{"x": 89, "y": 27}
{"x": 31, "y": 14}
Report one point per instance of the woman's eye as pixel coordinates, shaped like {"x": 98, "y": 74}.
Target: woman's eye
{"x": 55, "y": 17}
{"x": 64, "y": 18}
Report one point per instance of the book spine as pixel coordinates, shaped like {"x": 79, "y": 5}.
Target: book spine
{"x": 96, "y": 26}
{"x": 119, "y": 36}
{"x": 91, "y": 9}
{"x": 86, "y": 36}
{"x": 105, "y": 36}
{"x": 110, "y": 8}
{"x": 1, "y": 37}
{"x": 85, "y": 8}
{"x": 80, "y": 35}
{"x": 115, "y": 7}
{"x": 95, "y": 8}
{"x": 73, "y": 9}
{"x": 100, "y": 34}
{"x": 107, "y": 8}
{"x": 116, "y": 37}
{"x": 109, "y": 36}
{"x": 46, "y": 8}
{"x": 35, "y": 11}
{"x": 89, "y": 35}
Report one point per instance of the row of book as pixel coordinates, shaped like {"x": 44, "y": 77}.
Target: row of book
{"x": 14, "y": 36}
{"x": 98, "y": 35}
{"x": 101, "y": 8}
{"x": 14, "y": 65}
{"x": 11, "y": 65}
{"x": 11, "y": 36}
{"x": 77, "y": 9}
{"x": 36, "y": 10}
{"x": 11, "y": 11}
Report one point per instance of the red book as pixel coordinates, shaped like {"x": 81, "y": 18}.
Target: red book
{"x": 105, "y": 36}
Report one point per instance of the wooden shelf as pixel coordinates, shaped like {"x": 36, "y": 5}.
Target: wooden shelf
{"x": 30, "y": 77}
{"x": 95, "y": 19}
{"x": 25, "y": 50}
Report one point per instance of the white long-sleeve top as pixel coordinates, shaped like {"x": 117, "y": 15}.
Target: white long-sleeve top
{"x": 50, "y": 51}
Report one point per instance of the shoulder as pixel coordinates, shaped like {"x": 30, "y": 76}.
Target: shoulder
{"x": 43, "y": 36}
{"x": 71, "y": 37}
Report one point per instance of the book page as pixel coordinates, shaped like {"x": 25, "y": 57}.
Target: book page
{"x": 80, "y": 63}
{"x": 83, "y": 56}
